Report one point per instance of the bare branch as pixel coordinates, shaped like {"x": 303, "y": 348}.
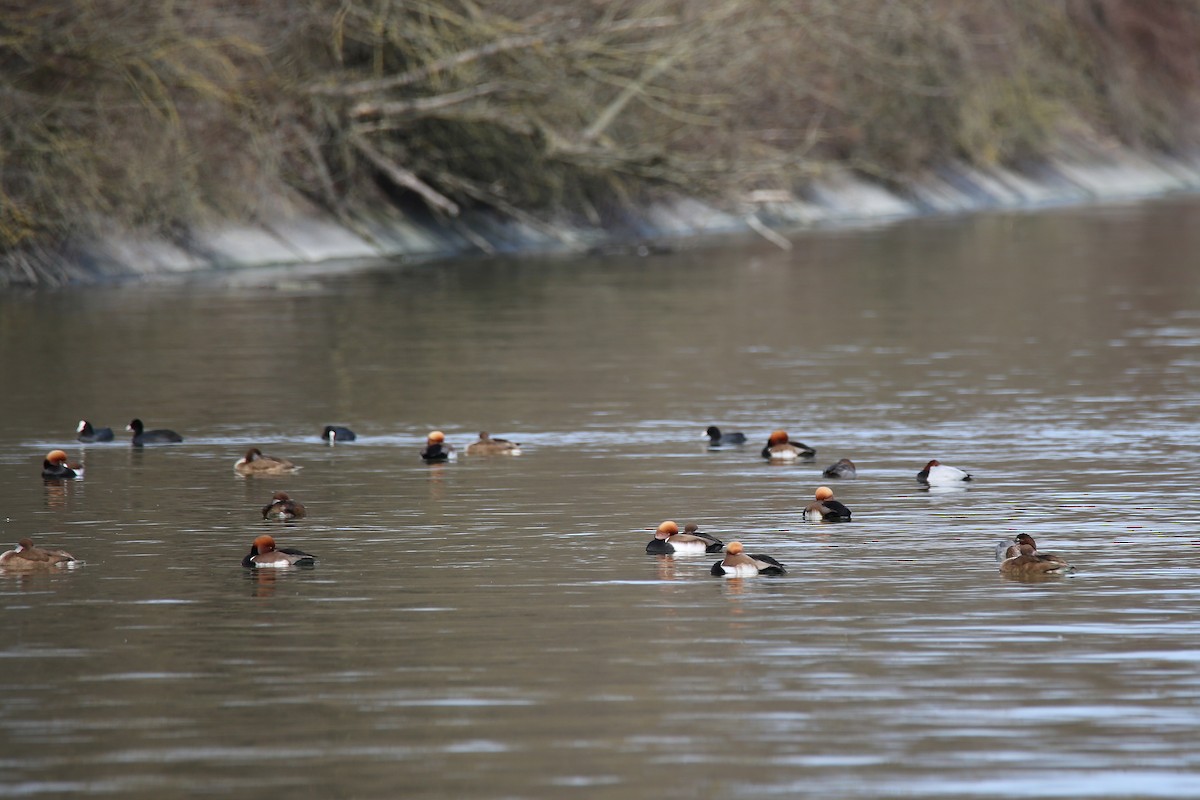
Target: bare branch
{"x": 429, "y": 70}
{"x": 609, "y": 114}
{"x": 422, "y": 105}
{"x": 403, "y": 178}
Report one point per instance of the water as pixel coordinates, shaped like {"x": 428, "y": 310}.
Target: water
{"x": 493, "y": 628}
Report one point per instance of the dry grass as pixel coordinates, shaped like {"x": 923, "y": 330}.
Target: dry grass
{"x": 154, "y": 117}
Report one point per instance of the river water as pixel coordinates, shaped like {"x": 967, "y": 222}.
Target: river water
{"x": 492, "y": 627}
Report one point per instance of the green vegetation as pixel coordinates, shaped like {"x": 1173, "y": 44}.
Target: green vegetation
{"x": 147, "y": 117}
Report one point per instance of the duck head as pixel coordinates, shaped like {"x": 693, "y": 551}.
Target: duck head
{"x": 666, "y": 530}
{"x": 263, "y": 544}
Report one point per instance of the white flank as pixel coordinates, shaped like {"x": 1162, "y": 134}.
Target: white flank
{"x": 688, "y": 548}
{"x": 941, "y": 475}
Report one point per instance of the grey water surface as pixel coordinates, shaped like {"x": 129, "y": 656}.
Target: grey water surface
{"x": 492, "y": 627}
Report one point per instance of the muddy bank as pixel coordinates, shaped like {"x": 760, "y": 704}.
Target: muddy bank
{"x": 302, "y": 236}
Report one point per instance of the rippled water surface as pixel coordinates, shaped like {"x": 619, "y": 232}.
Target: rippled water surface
{"x": 493, "y": 628}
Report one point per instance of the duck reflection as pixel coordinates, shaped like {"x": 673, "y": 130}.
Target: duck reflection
{"x": 666, "y": 568}
{"x": 54, "y": 493}
{"x": 264, "y": 582}
{"x": 437, "y": 479}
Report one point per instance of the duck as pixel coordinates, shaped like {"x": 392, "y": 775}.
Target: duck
{"x": 436, "y": 449}
{"x": 1011, "y": 548}
{"x": 338, "y": 433}
{"x": 255, "y": 463}
{"x": 668, "y": 540}
{"x": 87, "y": 434}
{"x": 716, "y": 438}
{"x": 825, "y": 509}
{"x": 264, "y": 553}
{"x": 1029, "y": 562}
{"x": 142, "y": 436}
{"x": 283, "y": 507}
{"x": 487, "y": 446}
{"x": 715, "y": 544}
{"x": 938, "y": 474}
{"x": 780, "y": 448}
{"x": 55, "y": 466}
{"x": 28, "y": 557}
{"x": 844, "y": 468}
{"x": 739, "y": 563}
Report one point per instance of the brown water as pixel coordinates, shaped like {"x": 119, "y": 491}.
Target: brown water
{"x": 492, "y": 627}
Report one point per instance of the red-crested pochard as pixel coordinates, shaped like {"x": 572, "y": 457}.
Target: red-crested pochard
{"x": 264, "y": 553}
{"x": 780, "y": 448}
{"x": 668, "y": 540}
{"x": 739, "y": 563}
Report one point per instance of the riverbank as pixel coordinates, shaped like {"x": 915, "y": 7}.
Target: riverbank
{"x": 144, "y": 139}
{"x": 304, "y": 236}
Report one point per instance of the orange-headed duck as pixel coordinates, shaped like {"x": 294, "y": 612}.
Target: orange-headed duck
{"x": 487, "y": 446}
{"x": 255, "y": 463}
{"x": 739, "y": 563}
{"x": 938, "y": 474}
{"x": 264, "y": 553}
{"x": 825, "y": 508}
{"x": 283, "y": 507}
{"x": 437, "y": 449}
{"x": 716, "y": 438}
{"x": 844, "y": 468}
{"x": 55, "y": 467}
{"x": 337, "y": 433}
{"x": 780, "y": 448}
{"x": 87, "y": 434}
{"x": 142, "y": 436}
{"x": 28, "y": 557}
{"x": 667, "y": 540}
{"x": 1029, "y": 562}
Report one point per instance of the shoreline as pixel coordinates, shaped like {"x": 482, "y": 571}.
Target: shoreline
{"x": 305, "y": 241}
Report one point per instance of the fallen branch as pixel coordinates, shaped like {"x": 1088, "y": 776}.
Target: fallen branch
{"x": 524, "y": 217}
{"x": 759, "y": 227}
{"x": 402, "y": 177}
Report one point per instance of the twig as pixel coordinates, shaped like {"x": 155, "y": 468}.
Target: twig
{"x": 422, "y": 105}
